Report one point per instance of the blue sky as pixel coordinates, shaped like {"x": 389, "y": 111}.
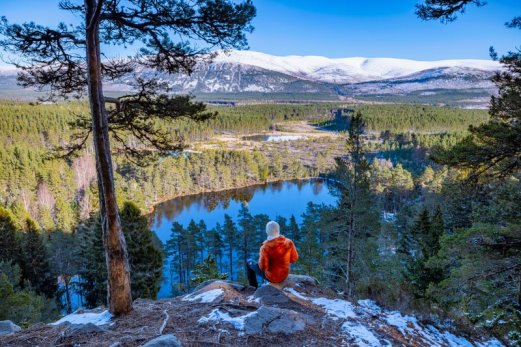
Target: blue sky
{"x": 344, "y": 28}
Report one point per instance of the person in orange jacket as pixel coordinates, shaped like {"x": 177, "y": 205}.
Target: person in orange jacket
{"x": 275, "y": 256}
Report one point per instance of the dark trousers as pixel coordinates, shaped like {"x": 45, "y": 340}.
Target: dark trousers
{"x": 252, "y": 271}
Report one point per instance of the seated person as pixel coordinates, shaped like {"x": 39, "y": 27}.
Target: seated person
{"x": 275, "y": 256}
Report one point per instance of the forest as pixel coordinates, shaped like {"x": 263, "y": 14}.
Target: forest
{"x": 415, "y": 215}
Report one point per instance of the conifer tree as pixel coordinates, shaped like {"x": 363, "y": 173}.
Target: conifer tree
{"x": 230, "y": 232}
{"x": 431, "y": 241}
{"x": 356, "y": 219}
{"x": 145, "y": 253}
{"x": 193, "y": 242}
{"x": 216, "y": 244}
{"x": 294, "y": 230}
{"x": 68, "y": 61}
{"x": 311, "y": 249}
{"x": 420, "y": 245}
{"x": 174, "y": 248}
{"x": 206, "y": 271}
{"x": 9, "y": 244}
{"x": 37, "y": 269}
{"x": 92, "y": 267}
{"x": 201, "y": 239}
{"x": 247, "y": 233}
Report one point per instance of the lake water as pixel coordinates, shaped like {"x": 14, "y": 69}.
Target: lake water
{"x": 273, "y": 199}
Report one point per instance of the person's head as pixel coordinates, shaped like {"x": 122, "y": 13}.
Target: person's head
{"x": 272, "y": 230}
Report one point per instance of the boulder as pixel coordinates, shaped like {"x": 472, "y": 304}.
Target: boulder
{"x": 78, "y": 329}
{"x": 169, "y": 340}
{"x": 273, "y": 320}
{"x": 7, "y": 327}
{"x": 296, "y": 281}
{"x": 269, "y": 295}
{"x": 224, "y": 284}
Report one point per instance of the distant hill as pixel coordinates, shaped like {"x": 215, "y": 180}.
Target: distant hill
{"x": 254, "y": 75}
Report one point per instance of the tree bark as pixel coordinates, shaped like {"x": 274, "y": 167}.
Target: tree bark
{"x": 119, "y": 297}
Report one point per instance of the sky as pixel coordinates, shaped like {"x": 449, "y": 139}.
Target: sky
{"x": 346, "y": 28}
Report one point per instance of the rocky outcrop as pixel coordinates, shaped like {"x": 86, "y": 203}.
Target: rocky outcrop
{"x": 297, "y": 312}
{"x": 272, "y": 320}
{"x": 7, "y": 327}
{"x": 270, "y": 295}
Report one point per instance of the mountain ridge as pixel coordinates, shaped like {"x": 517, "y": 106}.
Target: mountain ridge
{"x": 249, "y": 74}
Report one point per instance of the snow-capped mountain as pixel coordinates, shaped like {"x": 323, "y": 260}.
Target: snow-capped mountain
{"x": 247, "y": 72}
{"x": 250, "y": 72}
{"x": 345, "y": 70}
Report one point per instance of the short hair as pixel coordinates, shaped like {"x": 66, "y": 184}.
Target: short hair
{"x": 272, "y": 228}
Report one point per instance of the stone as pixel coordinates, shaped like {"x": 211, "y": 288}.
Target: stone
{"x": 295, "y": 281}
{"x": 7, "y": 327}
{"x": 78, "y": 329}
{"x": 273, "y": 320}
{"x": 224, "y": 284}
{"x": 168, "y": 340}
{"x": 270, "y": 295}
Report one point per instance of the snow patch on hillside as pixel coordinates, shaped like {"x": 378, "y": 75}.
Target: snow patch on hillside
{"x": 363, "y": 321}
{"x": 218, "y": 316}
{"x": 101, "y": 318}
{"x": 205, "y": 297}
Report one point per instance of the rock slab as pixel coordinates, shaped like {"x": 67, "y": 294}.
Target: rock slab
{"x": 273, "y": 320}
{"x": 169, "y": 340}
{"x": 270, "y": 295}
{"x": 7, "y": 327}
{"x": 78, "y": 329}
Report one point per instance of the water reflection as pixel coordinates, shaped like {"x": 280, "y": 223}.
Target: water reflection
{"x": 279, "y": 199}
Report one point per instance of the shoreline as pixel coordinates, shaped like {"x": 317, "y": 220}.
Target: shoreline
{"x": 256, "y": 183}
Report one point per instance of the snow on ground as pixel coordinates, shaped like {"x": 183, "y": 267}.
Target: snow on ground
{"x": 100, "y": 318}
{"x": 217, "y": 316}
{"x": 205, "y": 297}
{"x": 283, "y": 138}
{"x": 295, "y": 293}
{"x": 252, "y": 298}
{"x": 336, "y": 308}
{"x": 364, "y": 320}
{"x": 360, "y": 335}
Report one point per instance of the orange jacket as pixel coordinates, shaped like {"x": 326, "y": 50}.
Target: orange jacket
{"x": 275, "y": 257}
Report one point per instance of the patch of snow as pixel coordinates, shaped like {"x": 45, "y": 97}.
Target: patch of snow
{"x": 454, "y": 340}
{"x": 101, "y": 318}
{"x": 283, "y": 138}
{"x": 252, "y": 298}
{"x": 404, "y": 324}
{"x": 370, "y": 307}
{"x": 217, "y": 316}
{"x": 490, "y": 343}
{"x": 205, "y": 297}
{"x": 360, "y": 335}
{"x": 336, "y": 308}
{"x": 295, "y": 293}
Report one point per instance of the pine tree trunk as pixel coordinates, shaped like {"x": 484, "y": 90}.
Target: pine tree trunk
{"x": 119, "y": 296}
{"x": 231, "y": 263}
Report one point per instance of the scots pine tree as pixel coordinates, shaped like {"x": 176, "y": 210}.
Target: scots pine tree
{"x": 230, "y": 240}
{"x": 67, "y": 61}
{"x": 145, "y": 253}
{"x": 37, "y": 269}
